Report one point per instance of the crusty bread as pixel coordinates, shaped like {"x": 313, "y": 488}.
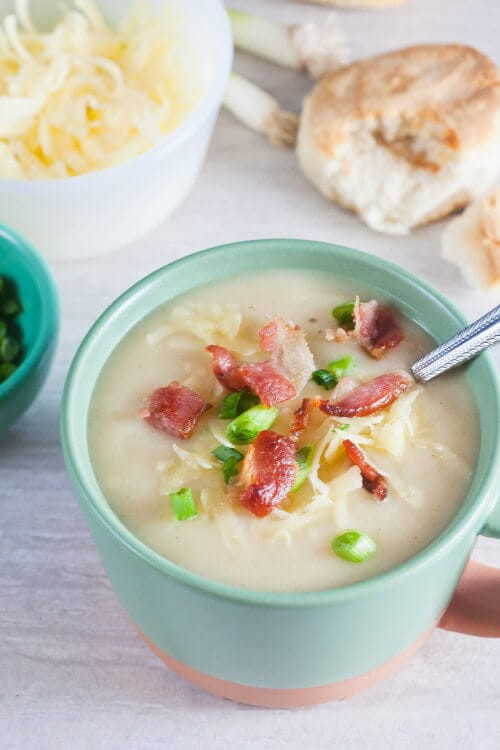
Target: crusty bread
{"x": 472, "y": 242}
{"x": 406, "y": 137}
{"x": 357, "y": 3}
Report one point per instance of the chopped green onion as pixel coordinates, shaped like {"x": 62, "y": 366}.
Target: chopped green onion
{"x": 9, "y": 349}
{"x": 304, "y": 459}
{"x": 343, "y": 427}
{"x": 339, "y": 367}
{"x": 223, "y": 452}
{"x": 231, "y": 459}
{"x": 6, "y": 370}
{"x": 247, "y": 425}
{"x": 230, "y": 468}
{"x": 325, "y": 379}
{"x": 183, "y": 504}
{"x": 354, "y": 546}
{"x": 343, "y": 314}
{"x": 237, "y": 403}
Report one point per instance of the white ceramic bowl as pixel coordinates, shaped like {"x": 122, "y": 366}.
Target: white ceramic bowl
{"x": 90, "y": 214}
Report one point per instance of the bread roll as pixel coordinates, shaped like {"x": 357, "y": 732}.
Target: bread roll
{"x": 472, "y": 242}
{"x": 406, "y": 137}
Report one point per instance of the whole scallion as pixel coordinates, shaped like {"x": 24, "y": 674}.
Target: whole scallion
{"x": 317, "y": 48}
{"x": 354, "y": 546}
{"x": 244, "y": 428}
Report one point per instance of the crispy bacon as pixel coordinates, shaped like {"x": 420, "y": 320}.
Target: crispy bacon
{"x": 300, "y": 419}
{"x": 290, "y": 353}
{"x": 174, "y": 409}
{"x": 372, "y": 481}
{"x": 262, "y": 378}
{"x": 268, "y": 472}
{"x": 350, "y": 400}
{"x": 369, "y": 398}
{"x": 375, "y": 328}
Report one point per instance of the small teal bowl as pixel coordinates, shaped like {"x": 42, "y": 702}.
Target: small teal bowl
{"x": 39, "y": 324}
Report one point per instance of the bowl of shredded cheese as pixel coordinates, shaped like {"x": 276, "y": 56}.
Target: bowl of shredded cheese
{"x": 106, "y": 110}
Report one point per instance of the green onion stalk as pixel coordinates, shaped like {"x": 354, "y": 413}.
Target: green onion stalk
{"x": 260, "y": 111}
{"x": 315, "y": 48}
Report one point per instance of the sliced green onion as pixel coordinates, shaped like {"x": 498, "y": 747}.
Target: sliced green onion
{"x": 223, "y": 452}
{"x": 318, "y": 48}
{"x": 260, "y": 111}
{"x": 230, "y": 469}
{"x": 231, "y": 458}
{"x": 339, "y": 367}
{"x": 343, "y": 314}
{"x": 6, "y": 370}
{"x": 247, "y": 425}
{"x": 343, "y": 427}
{"x": 325, "y": 379}
{"x": 354, "y": 546}
{"x": 236, "y": 403}
{"x": 183, "y": 504}
{"x": 304, "y": 458}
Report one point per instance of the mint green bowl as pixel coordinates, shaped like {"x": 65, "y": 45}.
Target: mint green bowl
{"x": 39, "y": 323}
{"x": 284, "y": 649}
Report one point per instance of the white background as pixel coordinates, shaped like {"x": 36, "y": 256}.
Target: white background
{"x": 72, "y": 672}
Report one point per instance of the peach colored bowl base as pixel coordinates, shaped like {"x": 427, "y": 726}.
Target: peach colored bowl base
{"x": 291, "y": 698}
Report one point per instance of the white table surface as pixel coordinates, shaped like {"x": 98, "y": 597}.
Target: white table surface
{"x": 73, "y": 674}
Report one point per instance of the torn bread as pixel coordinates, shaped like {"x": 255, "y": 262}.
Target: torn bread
{"x": 406, "y": 137}
{"x": 472, "y": 242}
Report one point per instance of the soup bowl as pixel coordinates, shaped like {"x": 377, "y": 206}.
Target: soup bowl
{"x": 94, "y": 213}
{"x": 287, "y": 649}
{"x": 38, "y": 325}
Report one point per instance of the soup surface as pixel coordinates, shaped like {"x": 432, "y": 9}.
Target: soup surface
{"x": 422, "y": 446}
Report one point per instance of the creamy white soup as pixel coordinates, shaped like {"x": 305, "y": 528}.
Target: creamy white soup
{"x": 376, "y": 453}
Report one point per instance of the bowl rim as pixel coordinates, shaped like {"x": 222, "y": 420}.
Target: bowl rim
{"x": 50, "y": 311}
{"x": 468, "y": 522}
{"x": 207, "y": 104}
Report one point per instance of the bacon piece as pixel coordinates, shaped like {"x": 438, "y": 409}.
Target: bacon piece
{"x": 375, "y": 328}
{"x": 174, "y": 409}
{"x": 268, "y": 472}
{"x": 389, "y": 335}
{"x": 300, "y": 419}
{"x": 226, "y": 368}
{"x": 290, "y": 352}
{"x": 369, "y": 398}
{"x": 372, "y": 481}
{"x": 262, "y": 378}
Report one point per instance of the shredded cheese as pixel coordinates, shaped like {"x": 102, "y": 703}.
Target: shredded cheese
{"x": 83, "y": 96}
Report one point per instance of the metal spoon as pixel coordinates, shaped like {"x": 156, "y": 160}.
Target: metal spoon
{"x": 481, "y": 334}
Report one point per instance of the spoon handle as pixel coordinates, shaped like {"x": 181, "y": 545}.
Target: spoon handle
{"x": 460, "y": 348}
